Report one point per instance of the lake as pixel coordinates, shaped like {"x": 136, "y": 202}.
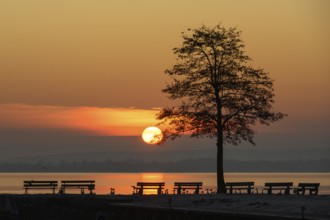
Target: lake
{"x": 122, "y": 182}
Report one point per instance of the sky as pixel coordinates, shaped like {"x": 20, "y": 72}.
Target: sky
{"x": 77, "y": 69}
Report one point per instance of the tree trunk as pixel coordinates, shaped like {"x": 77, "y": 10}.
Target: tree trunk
{"x": 220, "y": 176}
{"x": 221, "y": 188}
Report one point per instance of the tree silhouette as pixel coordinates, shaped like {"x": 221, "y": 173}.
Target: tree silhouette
{"x": 221, "y": 95}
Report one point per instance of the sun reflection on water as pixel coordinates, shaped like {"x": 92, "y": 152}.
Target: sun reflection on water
{"x": 152, "y": 177}
{"x": 123, "y": 182}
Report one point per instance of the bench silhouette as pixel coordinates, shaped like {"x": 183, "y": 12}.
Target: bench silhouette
{"x": 39, "y": 184}
{"x": 286, "y": 186}
{"x": 78, "y": 184}
{"x": 248, "y": 186}
{"x": 182, "y": 186}
{"x": 141, "y": 186}
{"x": 313, "y": 188}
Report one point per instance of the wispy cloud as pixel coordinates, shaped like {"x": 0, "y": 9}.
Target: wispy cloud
{"x": 93, "y": 120}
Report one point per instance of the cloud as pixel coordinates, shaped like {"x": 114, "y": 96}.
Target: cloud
{"x": 90, "y": 120}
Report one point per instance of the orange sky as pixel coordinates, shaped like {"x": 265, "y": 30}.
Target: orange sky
{"x": 56, "y": 56}
{"x": 87, "y": 120}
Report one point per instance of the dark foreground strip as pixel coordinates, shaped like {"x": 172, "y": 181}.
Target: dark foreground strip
{"x": 119, "y": 211}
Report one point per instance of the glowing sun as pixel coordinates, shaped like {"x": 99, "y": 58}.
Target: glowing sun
{"x": 152, "y": 135}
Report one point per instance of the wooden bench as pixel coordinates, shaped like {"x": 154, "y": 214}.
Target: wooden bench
{"x": 141, "y": 186}
{"x": 182, "y": 186}
{"x": 286, "y": 186}
{"x": 248, "y": 186}
{"x": 312, "y": 187}
{"x": 37, "y": 184}
{"x": 77, "y": 184}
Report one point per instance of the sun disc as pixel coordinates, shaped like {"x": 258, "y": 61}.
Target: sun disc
{"x": 152, "y": 135}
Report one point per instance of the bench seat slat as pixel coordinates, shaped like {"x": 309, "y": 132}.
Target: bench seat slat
{"x": 277, "y": 188}
{"x": 183, "y": 188}
{"x": 241, "y": 187}
{"x": 279, "y": 184}
{"x": 148, "y": 188}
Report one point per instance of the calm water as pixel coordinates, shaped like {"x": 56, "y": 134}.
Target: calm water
{"x": 122, "y": 182}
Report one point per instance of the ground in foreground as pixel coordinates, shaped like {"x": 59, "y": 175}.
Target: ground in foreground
{"x": 103, "y": 207}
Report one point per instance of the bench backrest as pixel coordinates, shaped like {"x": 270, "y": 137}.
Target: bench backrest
{"x": 240, "y": 184}
{"x": 159, "y": 184}
{"x": 279, "y": 184}
{"x": 309, "y": 185}
{"x": 40, "y": 183}
{"x": 78, "y": 181}
{"x": 197, "y": 184}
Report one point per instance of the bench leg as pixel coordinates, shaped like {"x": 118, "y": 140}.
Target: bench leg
{"x": 269, "y": 191}
{"x": 313, "y": 192}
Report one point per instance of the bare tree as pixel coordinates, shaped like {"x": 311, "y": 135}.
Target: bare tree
{"x": 221, "y": 95}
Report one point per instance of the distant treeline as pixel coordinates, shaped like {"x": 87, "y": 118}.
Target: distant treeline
{"x": 187, "y": 165}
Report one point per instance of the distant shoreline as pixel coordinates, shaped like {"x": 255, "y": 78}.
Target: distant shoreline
{"x": 199, "y": 165}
